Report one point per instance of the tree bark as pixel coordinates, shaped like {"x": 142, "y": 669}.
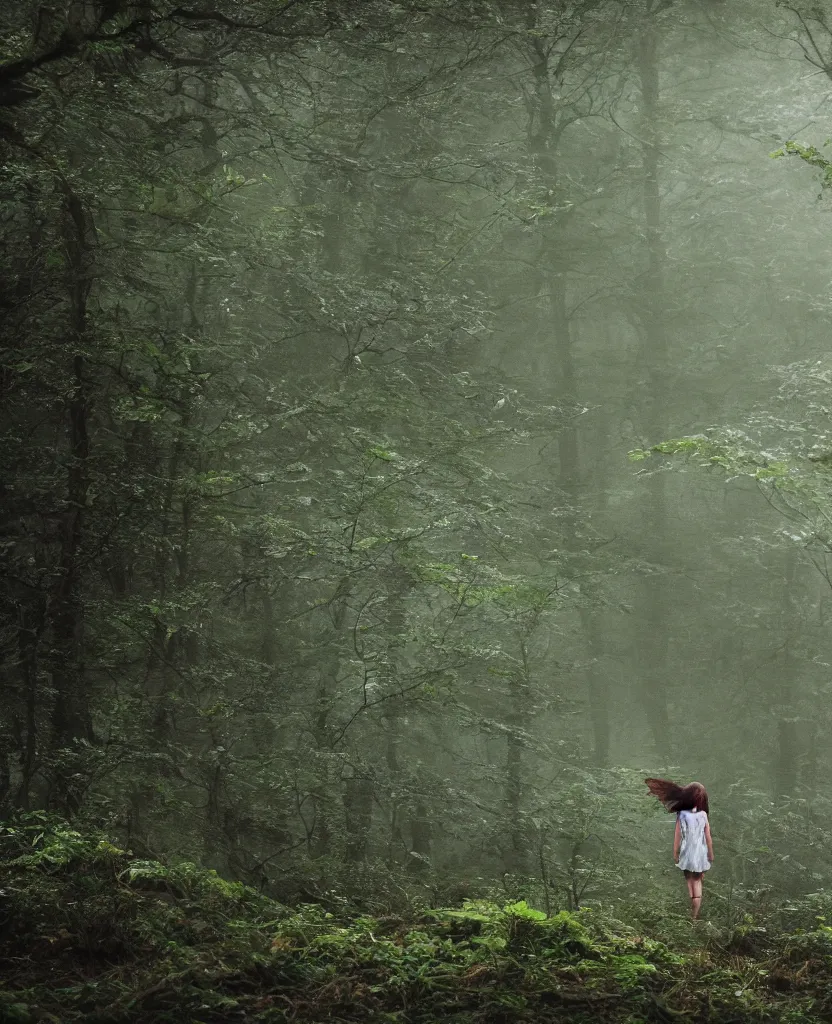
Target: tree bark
{"x": 518, "y": 720}
{"x": 71, "y": 718}
{"x": 397, "y": 588}
{"x": 358, "y": 814}
{"x": 31, "y": 626}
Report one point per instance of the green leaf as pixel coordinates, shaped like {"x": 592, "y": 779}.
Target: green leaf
{"x": 522, "y": 909}
{"x": 381, "y": 453}
{"x": 368, "y": 542}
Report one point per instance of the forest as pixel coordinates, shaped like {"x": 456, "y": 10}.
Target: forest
{"x": 415, "y": 432}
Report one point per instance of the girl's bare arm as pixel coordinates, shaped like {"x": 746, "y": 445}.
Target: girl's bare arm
{"x": 709, "y": 841}
{"x": 677, "y": 841}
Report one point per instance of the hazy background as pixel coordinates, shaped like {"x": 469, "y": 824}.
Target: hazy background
{"x": 325, "y": 346}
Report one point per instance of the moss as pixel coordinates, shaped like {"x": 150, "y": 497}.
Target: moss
{"x": 90, "y": 933}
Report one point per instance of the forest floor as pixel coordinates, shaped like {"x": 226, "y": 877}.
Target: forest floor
{"x": 90, "y": 933}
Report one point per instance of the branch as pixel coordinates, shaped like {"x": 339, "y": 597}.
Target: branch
{"x": 13, "y": 92}
{"x": 68, "y": 45}
{"x": 232, "y": 23}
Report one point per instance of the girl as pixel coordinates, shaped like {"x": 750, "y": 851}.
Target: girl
{"x": 693, "y": 850}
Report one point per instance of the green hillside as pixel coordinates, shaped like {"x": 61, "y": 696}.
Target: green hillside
{"x": 90, "y": 933}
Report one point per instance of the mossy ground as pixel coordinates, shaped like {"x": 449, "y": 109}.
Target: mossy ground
{"x": 89, "y": 933}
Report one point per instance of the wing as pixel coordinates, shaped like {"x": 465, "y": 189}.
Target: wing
{"x": 665, "y": 791}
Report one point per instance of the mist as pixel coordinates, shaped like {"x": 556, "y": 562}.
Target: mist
{"x": 414, "y": 435}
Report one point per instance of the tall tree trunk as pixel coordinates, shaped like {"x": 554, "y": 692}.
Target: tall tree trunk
{"x": 518, "y": 720}
{"x": 174, "y": 644}
{"x": 597, "y": 689}
{"x": 569, "y": 480}
{"x": 568, "y": 455}
{"x": 71, "y": 719}
{"x": 31, "y": 626}
{"x": 421, "y": 837}
{"x": 393, "y": 710}
{"x": 358, "y": 813}
{"x": 557, "y": 362}
{"x": 786, "y": 762}
{"x": 397, "y": 587}
{"x": 321, "y": 799}
{"x": 655, "y": 673}
{"x": 516, "y": 854}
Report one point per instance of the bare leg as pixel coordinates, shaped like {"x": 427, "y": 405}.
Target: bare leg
{"x": 696, "y": 897}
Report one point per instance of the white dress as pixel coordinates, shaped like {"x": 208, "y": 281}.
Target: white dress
{"x": 693, "y": 855}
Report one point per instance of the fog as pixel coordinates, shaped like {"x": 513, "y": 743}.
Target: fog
{"x": 337, "y": 545}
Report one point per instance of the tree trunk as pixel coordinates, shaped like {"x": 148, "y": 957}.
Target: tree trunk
{"x": 358, "y": 814}
{"x": 71, "y": 719}
{"x": 518, "y": 719}
{"x": 397, "y": 587}
{"x": 321, "y": 799}
{"x": 421, "y": 838}
{"x": 557, "y": 362}
{"x": 655, "y": 673}
{"x": 568, "y": 456}
{"x": 30, "y": 629}
{"x": 787, "y": 745}
{"x": 597, "y": 690}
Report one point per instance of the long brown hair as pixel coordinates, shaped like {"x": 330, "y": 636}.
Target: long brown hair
{"x": 679, "y": 798}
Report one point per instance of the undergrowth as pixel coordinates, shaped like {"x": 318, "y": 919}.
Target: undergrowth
{"x": 90, "y": 933}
